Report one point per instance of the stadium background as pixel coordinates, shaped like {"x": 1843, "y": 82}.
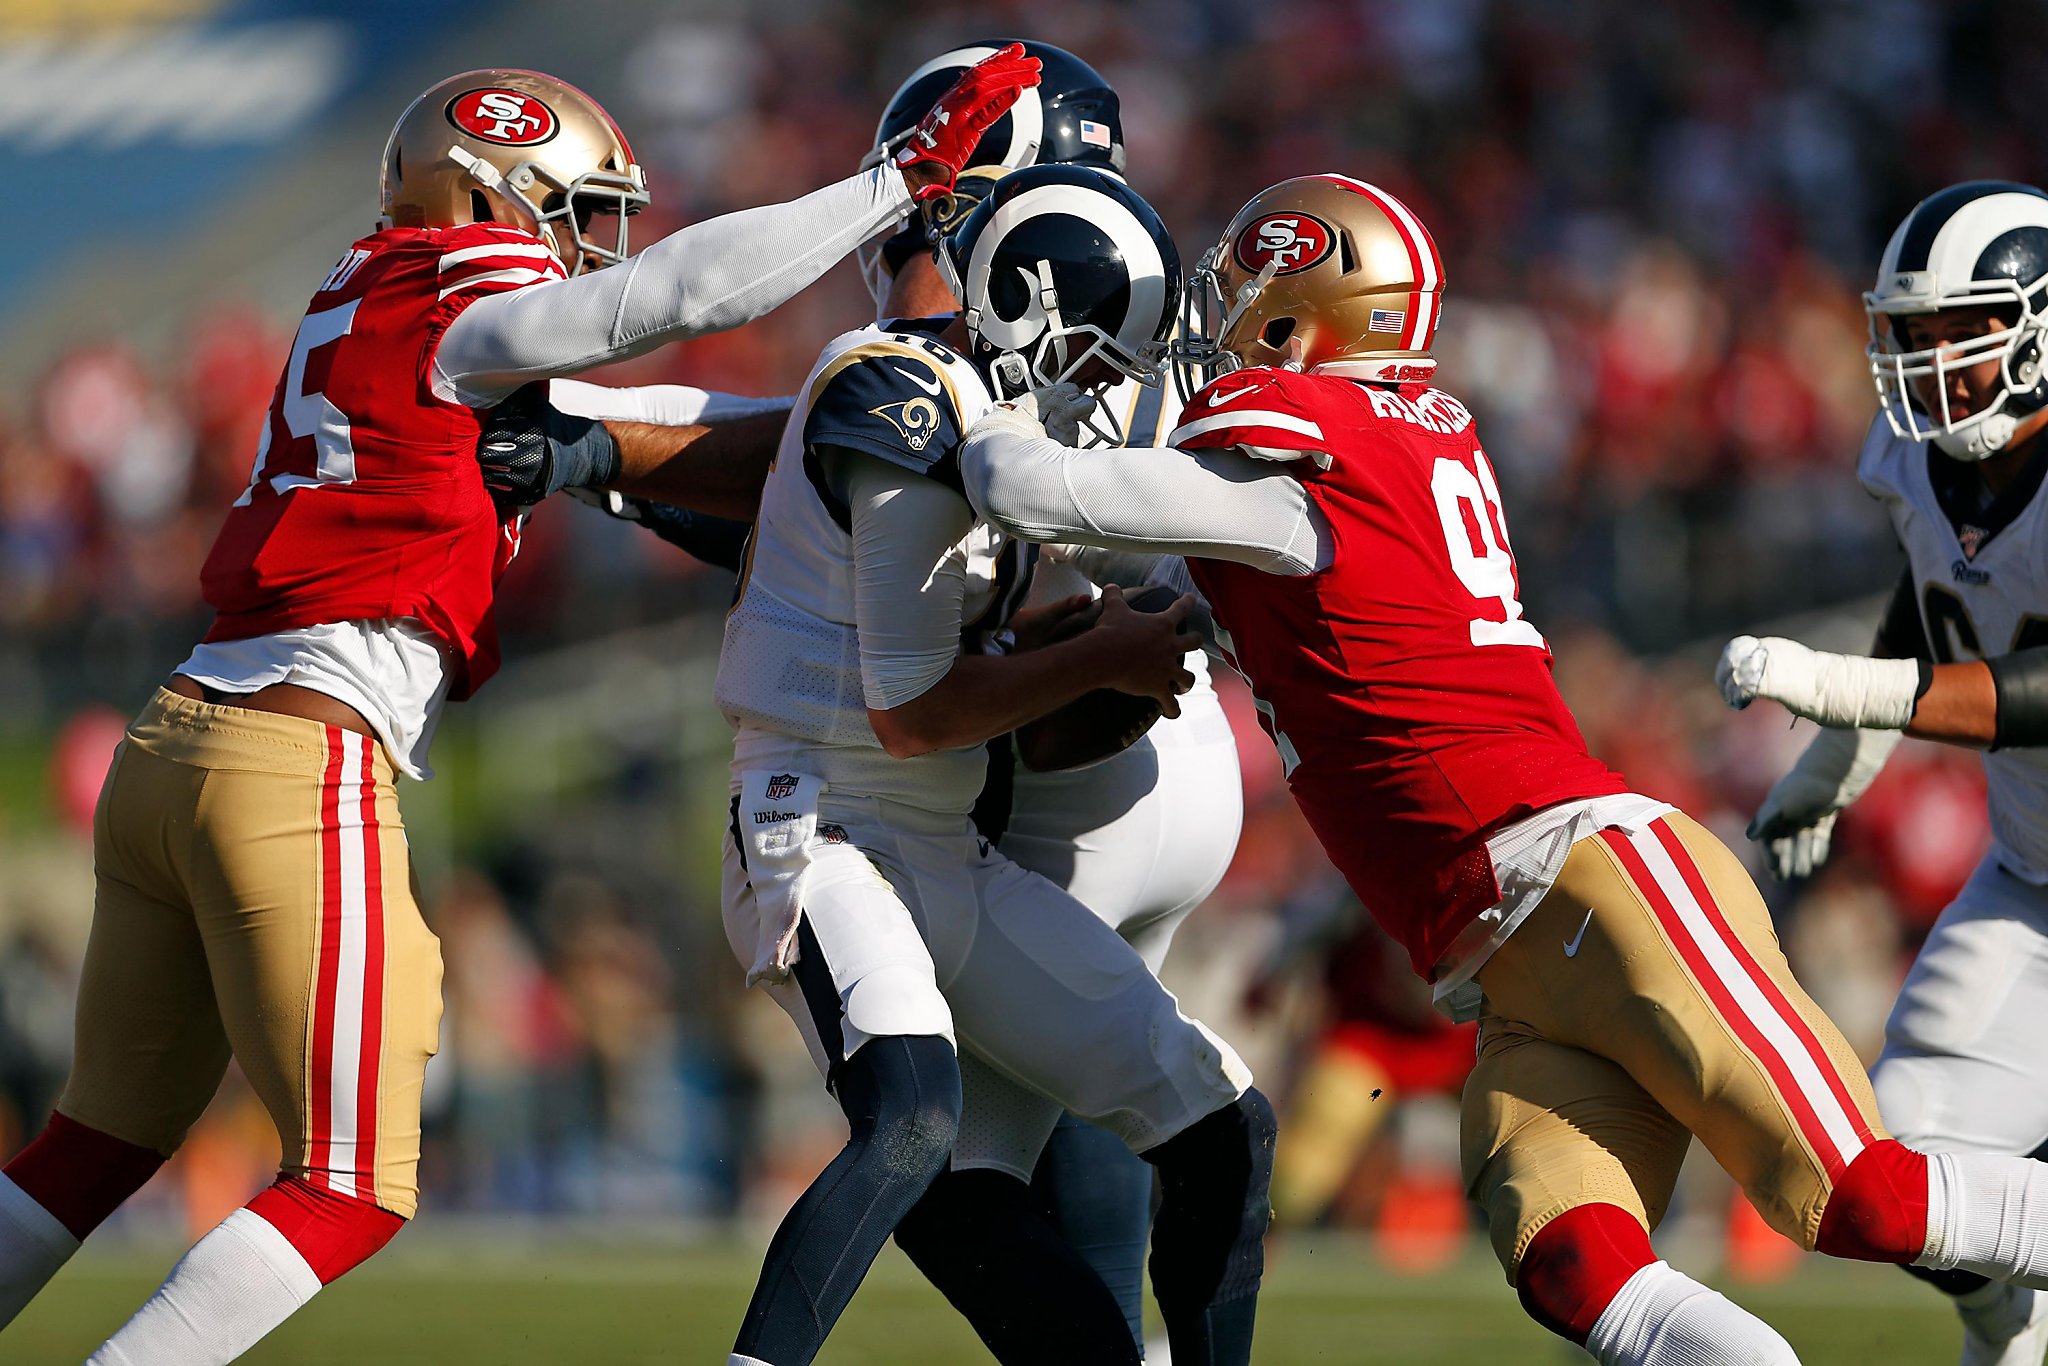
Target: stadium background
{"x": 1655, "y": 219}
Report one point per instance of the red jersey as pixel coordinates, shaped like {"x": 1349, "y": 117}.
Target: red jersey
{"x": 1412, "y": 704}
{"x": 366, "y": 501}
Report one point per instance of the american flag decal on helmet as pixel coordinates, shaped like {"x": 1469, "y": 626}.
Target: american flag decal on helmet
{"x": 1386, "y": 320}
{"x": 1094, "y": 134}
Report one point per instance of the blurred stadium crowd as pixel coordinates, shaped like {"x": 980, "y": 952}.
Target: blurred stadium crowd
{"x": 1656, "y": 222}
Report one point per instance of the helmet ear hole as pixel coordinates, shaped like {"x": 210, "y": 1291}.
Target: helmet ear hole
{"x": 480, "y": 208}
{"x": 1276, "y": 332}
{"x": 1347, "y": 259}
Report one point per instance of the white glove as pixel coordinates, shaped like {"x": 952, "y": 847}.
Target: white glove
{"x": 1797, "y": 819}
{"x": 1835, "y": 690}
{"x": 1055, "y": 411}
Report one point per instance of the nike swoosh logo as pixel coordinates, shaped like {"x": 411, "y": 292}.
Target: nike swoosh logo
{"x": 935, "y": 388}
{"x": 1571, "y": 948}
{"x": 1218, "y": 400}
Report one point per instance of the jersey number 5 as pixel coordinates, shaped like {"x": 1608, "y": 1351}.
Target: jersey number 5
{"x": 1476, "y": 534}
{"x": 318, "y": 449}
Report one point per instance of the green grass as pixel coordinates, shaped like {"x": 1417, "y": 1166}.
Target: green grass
{"x": 508, "y": 1301}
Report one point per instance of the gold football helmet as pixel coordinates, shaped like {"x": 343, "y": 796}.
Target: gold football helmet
{"x": 517, "y": 148}
{"x": 1339, "y": 266}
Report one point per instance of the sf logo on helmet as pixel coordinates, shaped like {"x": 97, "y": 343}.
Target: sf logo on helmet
{"x": 507, "y": 116}
{"x": 1294, "y": 241}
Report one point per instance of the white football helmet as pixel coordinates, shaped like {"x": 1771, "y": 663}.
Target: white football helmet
{"x": 1981, "y": 243}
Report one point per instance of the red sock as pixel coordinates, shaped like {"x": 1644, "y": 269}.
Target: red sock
{"x": 1577, "y": 1264}
{"x": 1877, "y": 1211}
{"x": 334, "y": 1233}
{"x": 80, "y": 1175}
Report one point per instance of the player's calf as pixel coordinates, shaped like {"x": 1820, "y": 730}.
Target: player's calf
{"x": 1590, "y": 1277}
{"x": 1208, "y": 1239}
{"x": 251, "y": 1273}
{"x": 57, "y": 1190}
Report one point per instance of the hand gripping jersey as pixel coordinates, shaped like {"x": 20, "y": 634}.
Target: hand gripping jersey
{"x": 1980, "y": 569}
{"x": 366, "y": 501}
{"x": 789, "y": 674}
{"x": 1412, "y": 704}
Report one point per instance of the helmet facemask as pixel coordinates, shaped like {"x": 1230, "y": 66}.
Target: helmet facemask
{"x": 1207, "y": 316}
{"x": 565, "y": 208}
{"x": 1900, "y": 375}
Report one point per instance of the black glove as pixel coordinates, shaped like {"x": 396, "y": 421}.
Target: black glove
{"x": 714, "y": 540}
{"x": 529, "y": 449}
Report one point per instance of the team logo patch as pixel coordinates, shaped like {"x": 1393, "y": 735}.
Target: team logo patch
{"x": 511, "y": 117}
{"x": 1387, "y": 320}
{"x": 1295, "y": 240}
{"x": 781, "y": 786}
{"x": 916, "y": 420}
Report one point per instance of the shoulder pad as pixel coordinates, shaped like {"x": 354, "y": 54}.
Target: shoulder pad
{"x": 1260, "y": 409}
{"x": 892, "y": 400}
{"x": 1881, "y": 464}
{"x": 490, "y": 258}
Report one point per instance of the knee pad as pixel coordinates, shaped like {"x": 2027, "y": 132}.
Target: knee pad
{"x": 334, "y": 1233}
{"x": 79, "y": 1174}
{"x": 1877, "y": 1211}
{"x": 903, "y": 1095}
{"x": 1577, "y": 1263}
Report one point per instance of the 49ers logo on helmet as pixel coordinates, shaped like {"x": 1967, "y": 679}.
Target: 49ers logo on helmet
{"x": 1295, "y": 240}
{"x": 499, "y": 115}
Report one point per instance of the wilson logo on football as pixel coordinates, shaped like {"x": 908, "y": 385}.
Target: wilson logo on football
{"x": 507, "y": 116}
{"x": 1295, "y": 241}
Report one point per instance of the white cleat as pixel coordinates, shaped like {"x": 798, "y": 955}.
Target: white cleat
{"x": 2003, "y": 1325}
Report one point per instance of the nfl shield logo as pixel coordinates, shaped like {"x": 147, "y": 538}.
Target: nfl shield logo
{"x": 781, "y": 786}
{"x": 1386, "y": 320}
{"x": 1971, "y": 538}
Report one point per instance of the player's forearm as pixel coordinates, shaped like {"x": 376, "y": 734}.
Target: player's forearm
{"x": 701, "y": 279}
{"x": 1143, "y": 499}
{"x": 983, "y": 696}
{"x": 1960, "y": 707}
{"x": 716, "y": 468}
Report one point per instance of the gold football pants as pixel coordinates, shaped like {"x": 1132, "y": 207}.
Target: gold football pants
{"x": 254, "y": 896}
{"x": 1646, "y": 1000}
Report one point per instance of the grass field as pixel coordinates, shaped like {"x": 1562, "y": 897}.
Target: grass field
{"x": 505, "y": 1300}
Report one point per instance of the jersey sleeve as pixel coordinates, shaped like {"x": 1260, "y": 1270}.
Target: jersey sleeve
{"x": 1880, "y": 464}
{"x": 478, "y": 262}
{"x": 1260, "y": 411}
{"x": 894, "y": 403}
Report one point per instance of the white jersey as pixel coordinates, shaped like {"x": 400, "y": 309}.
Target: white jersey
{"x": 789, "y": 674}
{"x": 1980, "y": 573}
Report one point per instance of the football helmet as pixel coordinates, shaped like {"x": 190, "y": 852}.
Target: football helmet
{"x": 517, "y": 148}
{"x": 1059, "y": 266}
{"x": 1981, "y": 243}
{"x": 1069, "y": 118}
{"x": 1340, "y": 266}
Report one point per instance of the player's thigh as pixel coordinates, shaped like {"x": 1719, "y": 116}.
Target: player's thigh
{"x": 1055, "y": 1000}
{"x": 1004, "y": 1125}
{"x": 1547, "y": 1128}
{"x": 1963, "y": 1067}
{"x": 148, "y": 1052}
{"x": 1678, "y": 977}
{"x": 862, "y": 969}
{"x": 328, "y": 979}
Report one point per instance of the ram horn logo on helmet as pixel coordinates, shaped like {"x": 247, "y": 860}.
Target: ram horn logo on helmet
{"x": 1293, "y": 241}
{"x": 505, "y": 116}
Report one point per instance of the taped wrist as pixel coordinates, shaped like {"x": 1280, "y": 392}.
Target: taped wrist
{"x": 586, "y": 454}
{"x": 2020, "y": 681}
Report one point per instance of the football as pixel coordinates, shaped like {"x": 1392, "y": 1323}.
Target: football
{"x": 1098, "y": 724}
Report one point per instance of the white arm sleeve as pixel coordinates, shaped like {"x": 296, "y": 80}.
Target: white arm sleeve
{"x": 665, "y": 405}
{"x": 704, "y": 278}
{"x": 909, "y": 576}
{"x": 1220, "y": 505}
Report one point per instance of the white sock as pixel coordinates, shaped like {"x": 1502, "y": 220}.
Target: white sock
{"x": 1988, "y": 1214}
{"x": 236, "y": 1284}
{"x": 1662, "y": 1317}
{"x": 33, "y": 1245}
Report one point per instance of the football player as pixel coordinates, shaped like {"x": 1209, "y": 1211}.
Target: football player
{"x": 1347, "y": 529}
{"x": 253, "y": 885}
{"x": 864, "y": 668}
{"x": 1958, "y": 322}
{"x": 1140, "y": 838}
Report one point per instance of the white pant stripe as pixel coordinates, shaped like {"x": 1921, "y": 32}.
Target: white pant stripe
{"x": 345, "y": 1068}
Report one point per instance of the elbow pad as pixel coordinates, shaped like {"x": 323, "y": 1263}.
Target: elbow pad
{"x": 2020, "y": 681}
